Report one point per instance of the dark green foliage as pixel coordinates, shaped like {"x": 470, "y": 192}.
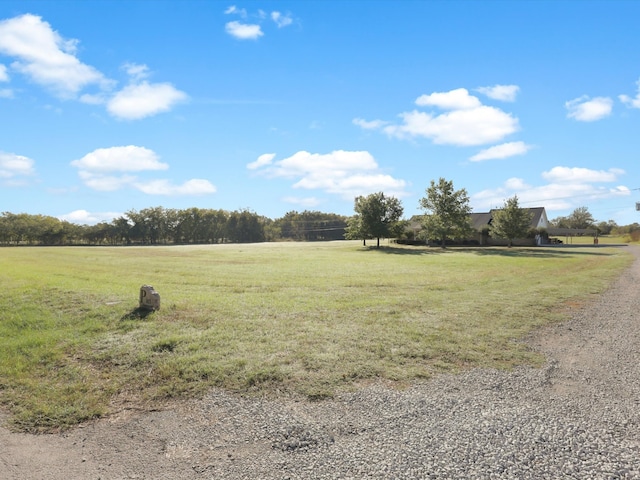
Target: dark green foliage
{"x": 376, "y": 217}
{"x": 511, "y": 221}
{"x": 448, "y": 211}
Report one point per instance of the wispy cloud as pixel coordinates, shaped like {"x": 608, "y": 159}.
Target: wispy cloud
{"x": 194, "y": 187}
{"x": 369, "y": 125}
{"x": 585, "y": 109}
{"x": 505, "y": 150}
{"x": 262, "y": 161}
{"x": 251, "y": 28}
{"x": 505, "y": 93}
{"x": 633, "y": 102}
{"x": 281, "y": 20}
{"x": 345, "y": 173}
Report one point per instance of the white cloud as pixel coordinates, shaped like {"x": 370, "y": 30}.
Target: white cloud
{"x": 465, "y": 122}
{"x": 629, "y": 101}
{"x": 105, "y": 169}
{"x": 263, "y": 160}
{"x": 467, "y": 127}
{"x": 244, "y": 31}
{"x": 345, "y": 173}
{"x": 505, "y": 150}
{"x": 235, "y": 10}
{"x": 369, "y": 125}
{"x": 141, "y": 100}
{"x": 83, "y": 217}
{"x": 584, "y": 109}
{"x": 195, "y": 186}
{"x": 280, "y": 19}
{"x": 581, "y": 175}
{"x": 505, "y": 93}
{"x": 458, "y": 99}
{"x": 105, "y": 183}
{"x": 129, "y": 158}
{"x": 567, "y": 188}
{"x": 49, "y": 60}
{"x": 136, "y": 71}
{"x": 45, "y": 57}
{"x": 12, "y": 165}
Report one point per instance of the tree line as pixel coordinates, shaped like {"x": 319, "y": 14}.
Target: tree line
{"x": 376, "y": 216}
{"x": 163, "y": 226}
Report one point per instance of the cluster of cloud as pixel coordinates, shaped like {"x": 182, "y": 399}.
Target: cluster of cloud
{"x": 43, "y": 56}
{"x": 114, "y": 168}
{"x": 242, "y": 30}
{"x": 84, "y": 217}
{"x": 344, "y": 173}
{"x": 458, "y": 118}
{"x": 14, "y": 168}
{"x": 586, "y": 109}
{"x": 566, "y": 188}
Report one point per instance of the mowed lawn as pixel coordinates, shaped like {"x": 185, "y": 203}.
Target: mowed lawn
{"x": 306, "y": 319}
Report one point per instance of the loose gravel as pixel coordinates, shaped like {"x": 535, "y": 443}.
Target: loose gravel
{"x": 577, "y": 418}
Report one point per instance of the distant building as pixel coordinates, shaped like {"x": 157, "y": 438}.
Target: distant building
{"x": 481, "y": 223}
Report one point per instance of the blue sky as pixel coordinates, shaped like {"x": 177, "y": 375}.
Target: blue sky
{"x": 109, "y": 106}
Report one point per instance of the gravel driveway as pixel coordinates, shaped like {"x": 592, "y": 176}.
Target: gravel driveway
{"x": 578, "y": 418}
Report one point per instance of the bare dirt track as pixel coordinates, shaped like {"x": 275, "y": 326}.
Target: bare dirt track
{"x": 576, "y": 418}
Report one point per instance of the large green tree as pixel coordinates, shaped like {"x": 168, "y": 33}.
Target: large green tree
{"x": 511, "y": 221}
{"x": 579, "y": 218}
{"x": 377, "y": 216}
{"x": 447, "y": 210}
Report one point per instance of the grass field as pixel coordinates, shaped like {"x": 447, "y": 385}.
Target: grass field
{"x": 267, "y": 319}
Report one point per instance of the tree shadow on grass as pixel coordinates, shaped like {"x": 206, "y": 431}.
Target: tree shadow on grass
{"x": 528, "y": 252}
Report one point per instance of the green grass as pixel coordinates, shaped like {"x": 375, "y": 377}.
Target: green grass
{"x": 268, "y": 319}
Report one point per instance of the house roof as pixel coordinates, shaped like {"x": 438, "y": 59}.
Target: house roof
{"x": 481, "y": 220}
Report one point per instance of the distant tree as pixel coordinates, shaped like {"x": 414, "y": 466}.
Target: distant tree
{"x": 559, "y": 222}
{"x": 311, "y": 226}
{"x": 245, "y": 226}
{"x": 511, "y": 221}
{"x": 377, "y": 216}
{"x": 605, "y": 228}
{"x": 447, "y": 210}
{"x": 581, "y": 218}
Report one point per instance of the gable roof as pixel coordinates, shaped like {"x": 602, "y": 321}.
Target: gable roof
{"x": 482, "y": 220}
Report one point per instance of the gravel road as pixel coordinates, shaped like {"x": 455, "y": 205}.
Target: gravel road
{"x": 577, "y": 418}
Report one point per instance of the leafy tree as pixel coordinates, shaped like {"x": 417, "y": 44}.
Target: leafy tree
{"x": 448, "y": 211}
{"x": 377, "y": 216}
{"x": 605, "y": 228}
{"x": 511, "y": 221}
{"x": 581, "y": 218}
{"x": 311, "y": 226}
{"x": 245, "y": 227}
